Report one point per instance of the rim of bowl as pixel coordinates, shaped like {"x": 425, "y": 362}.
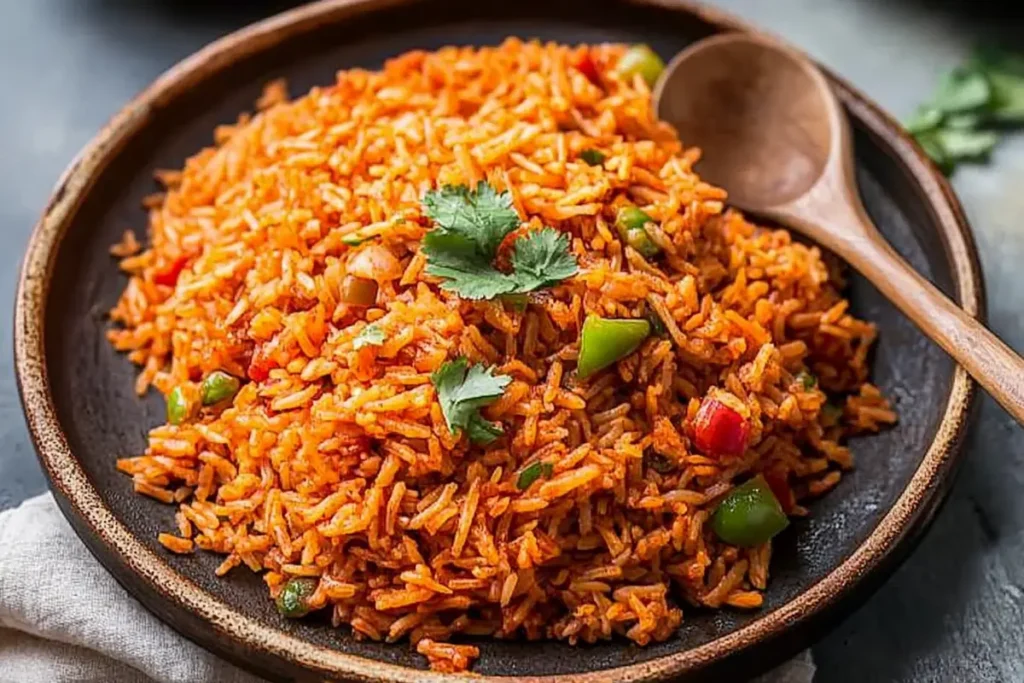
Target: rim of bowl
{"x": 81, "y": 500}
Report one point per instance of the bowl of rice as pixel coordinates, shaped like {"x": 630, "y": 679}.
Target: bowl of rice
{"x": 388, "y": 345}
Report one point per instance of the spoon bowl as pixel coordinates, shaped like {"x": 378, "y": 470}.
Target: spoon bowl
{"x": 764, "y": 117}
{"x": 778, "y": 142}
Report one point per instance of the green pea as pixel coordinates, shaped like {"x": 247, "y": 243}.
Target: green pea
{"x": 639, "y": 239}
{"x": 218, "y": 386}
{"x": 293, "y": 600}
{"x": 592, "y": 157}
{"x": 750, "y": 515}
{"x": 605, "y": 340}
{"x": 178, "y": 408}
{"x": 630, "y": 222}
{"x": 631, "y": 217}
{"x": 641, "y": 59}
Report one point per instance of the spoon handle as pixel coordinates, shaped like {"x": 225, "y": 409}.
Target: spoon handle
{"x": 986, "y": 358}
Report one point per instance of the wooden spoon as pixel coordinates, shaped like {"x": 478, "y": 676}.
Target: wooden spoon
{"x": 775, "y": 137}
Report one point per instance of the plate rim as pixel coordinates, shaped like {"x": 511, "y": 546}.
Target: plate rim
{"x": 213, "y": 621}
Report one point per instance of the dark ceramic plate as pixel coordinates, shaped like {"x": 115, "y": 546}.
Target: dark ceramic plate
{"x": 83, "y": 413}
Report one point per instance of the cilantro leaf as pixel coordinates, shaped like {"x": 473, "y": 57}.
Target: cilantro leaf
{"x": 532, "y": 473}
{"x": 1005, "y": 73}
{"x": 924, "y": 119}
{"x": 542, "y": 259}
{"x": 1007, "y": 97}
{"x": 371, "y": 335}
{"x": 993, "y": 58}
{"x": 968, "y": 121}
{"x": 449, "y": 257}
{"x": 963, "y": 90}
{"x": 462, "y": 391}
{"x": 482, "y": 216}
{"x": 949, "y": 146}
{"x": 929, "y": 142}
{"x": 472, "y": 282}
{"x": 965, "y": 145}
{"x": 483, "y": 431}
{"x": 592, "y": 157}
{"x": 972, "y": 103}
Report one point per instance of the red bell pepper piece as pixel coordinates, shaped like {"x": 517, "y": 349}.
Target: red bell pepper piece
{"x": 260, "y": 366}
{"x": 720, "y": 430}
{"x": 169, "y": 277}
{"x": 586, "y": 67}
{"x": 778, "y": 482}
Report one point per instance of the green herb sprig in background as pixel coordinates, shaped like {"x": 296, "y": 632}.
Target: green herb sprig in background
{"x": 973, "y": 103}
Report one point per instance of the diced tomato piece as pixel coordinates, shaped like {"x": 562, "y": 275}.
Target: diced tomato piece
{"x": 260, "y": 366}
{"x": 778, "y": 482}
{"x": 720, "y": 430}
{"x": 169, "y": 277}
{"x": 586, "y": 67}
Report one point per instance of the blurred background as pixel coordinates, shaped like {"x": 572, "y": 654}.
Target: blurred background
{"x": 954, "y": 610}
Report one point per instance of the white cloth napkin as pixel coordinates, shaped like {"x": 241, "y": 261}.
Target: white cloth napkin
{"x": 64, "y": 619}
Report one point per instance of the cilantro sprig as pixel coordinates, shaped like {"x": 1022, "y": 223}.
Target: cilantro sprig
{"x": 972, "y": 102}
{"x": 462, "y": 391}
{"x": 470, "y": 226}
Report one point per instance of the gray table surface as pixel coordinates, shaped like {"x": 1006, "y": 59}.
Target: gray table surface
{"x": 953, "y": 612}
